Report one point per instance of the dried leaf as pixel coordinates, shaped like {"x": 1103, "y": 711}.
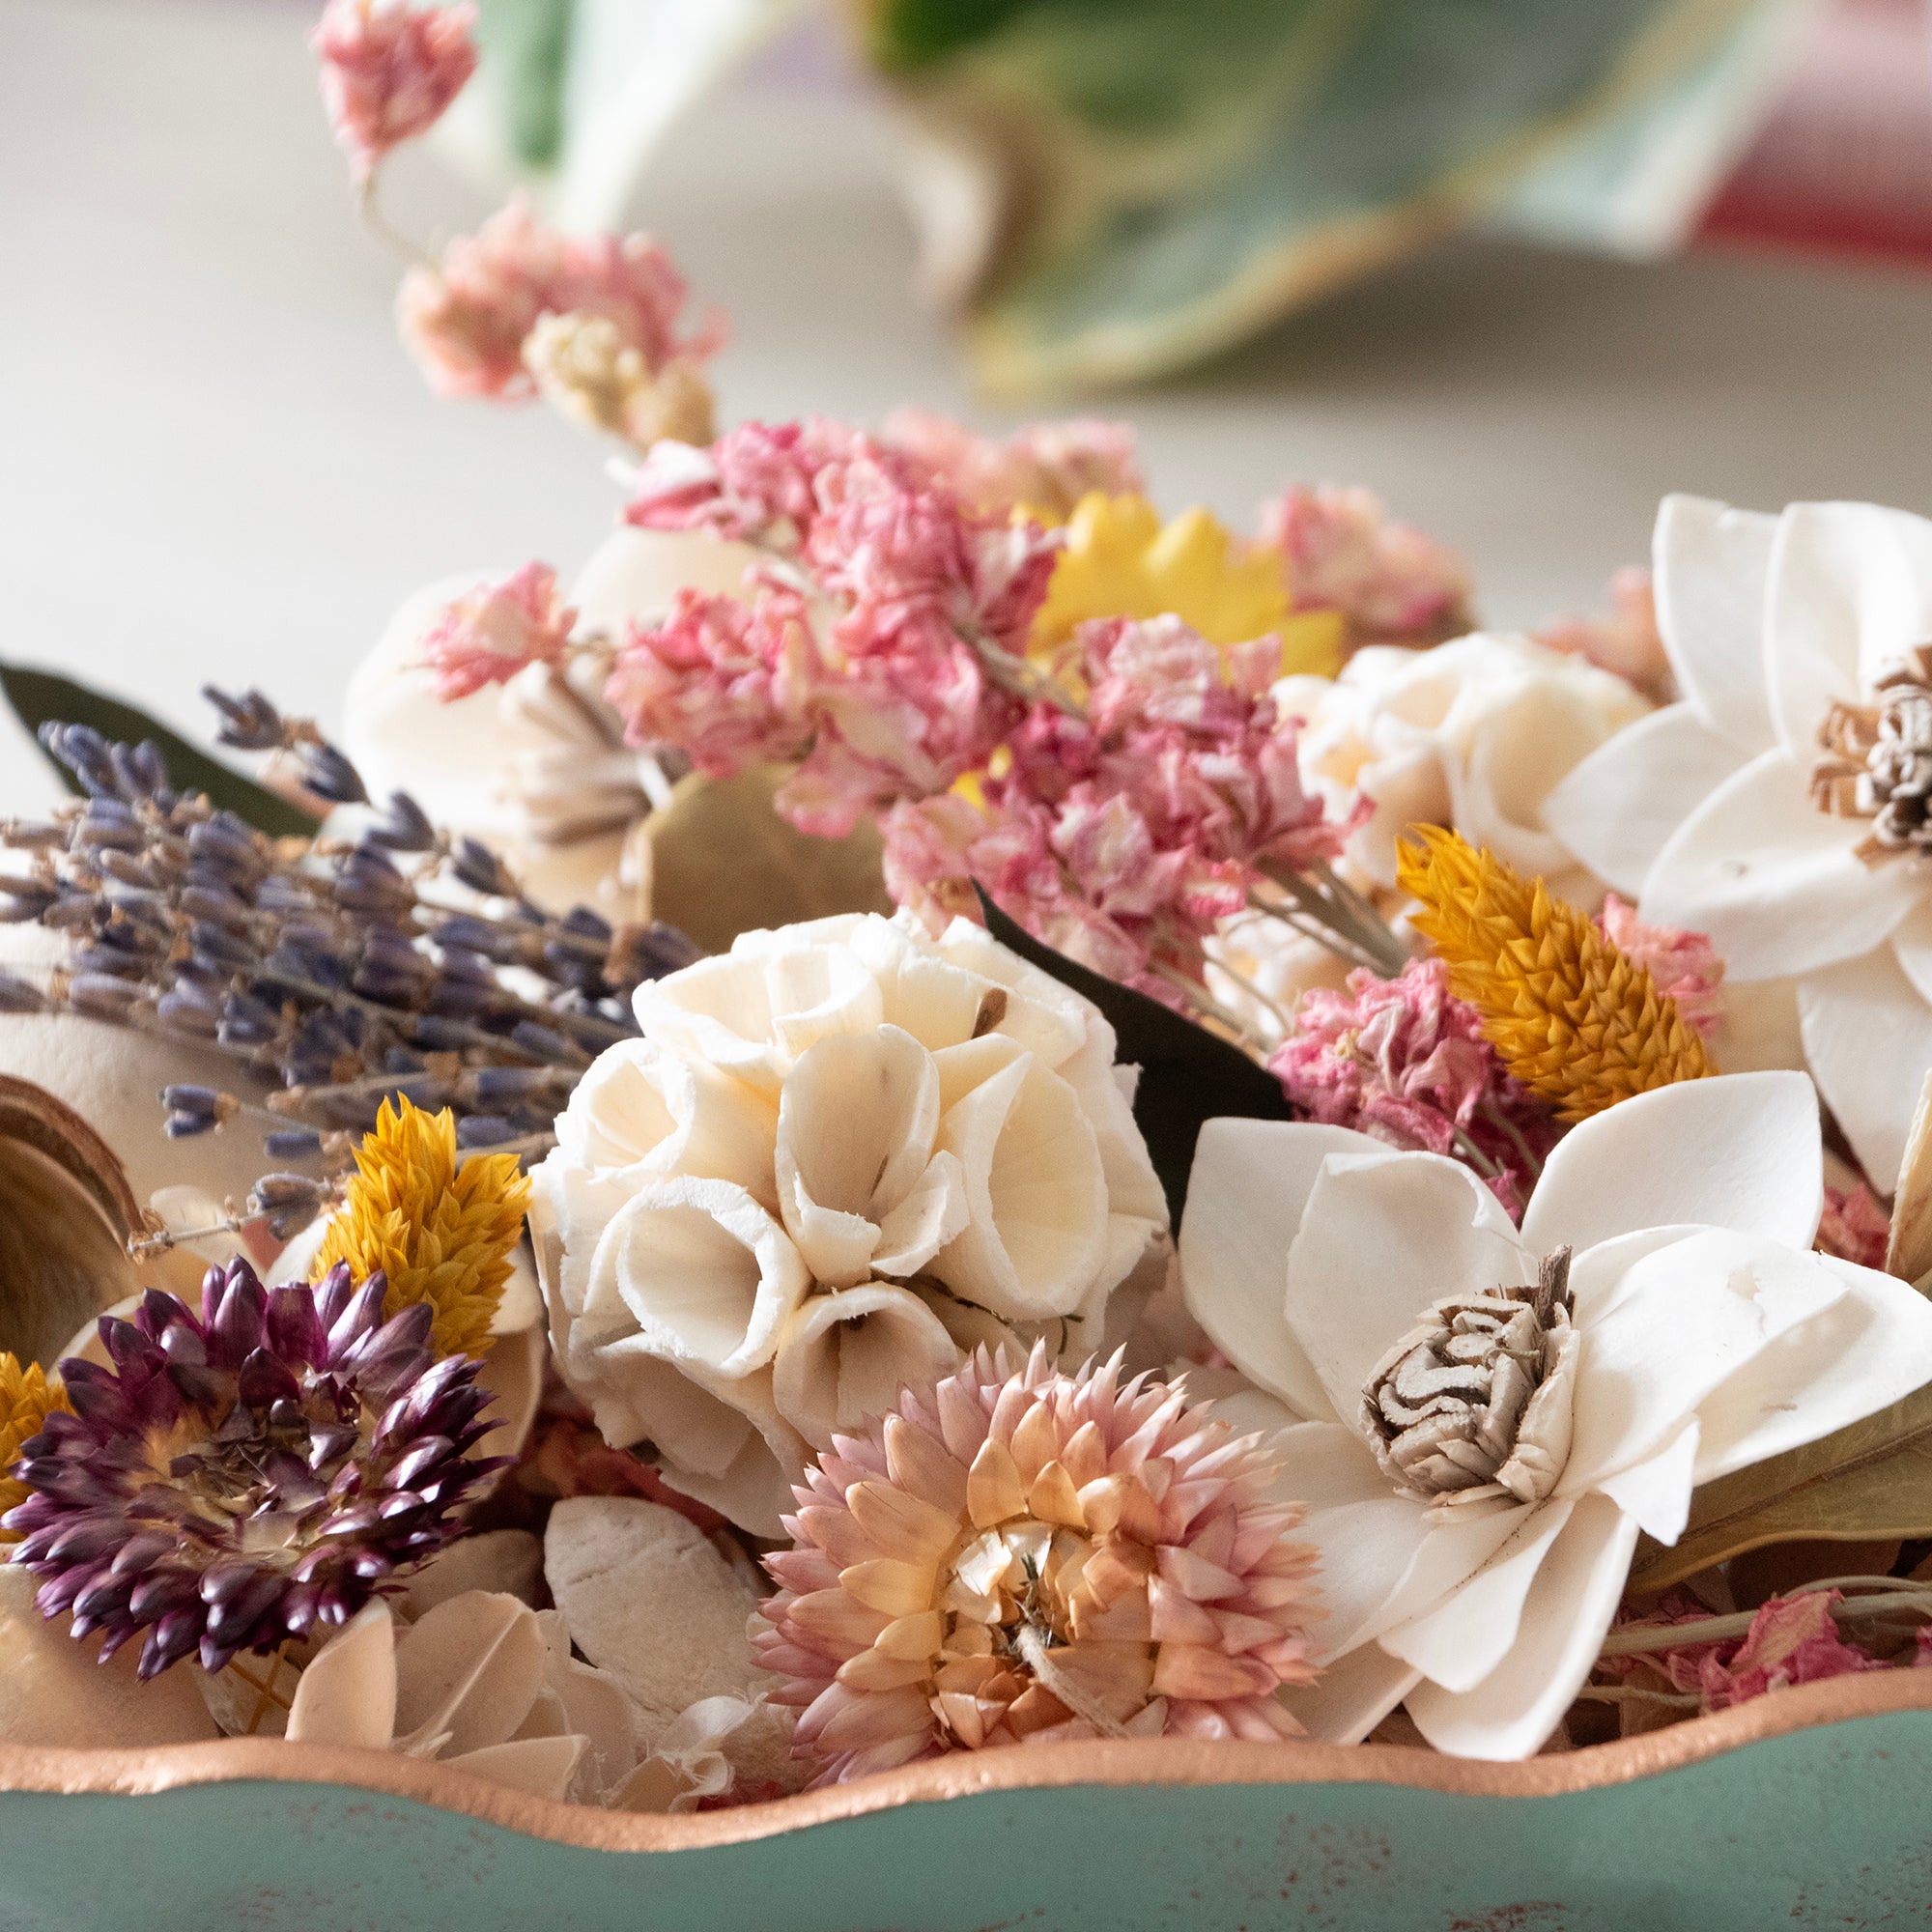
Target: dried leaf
{"x": 722, "y": 861}
{"x": 39, "y": 696}
{"x": 1870, "y": 1482}
{"x": 1187, "y": 1075}
{"x": 1908, "y": 1252}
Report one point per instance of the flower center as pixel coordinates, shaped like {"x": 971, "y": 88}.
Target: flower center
{"x": 1473, "y": 1405}
{"x": 1877, "y": 762}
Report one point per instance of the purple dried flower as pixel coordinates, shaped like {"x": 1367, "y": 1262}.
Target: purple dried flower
{"x": 234, "y": 1480}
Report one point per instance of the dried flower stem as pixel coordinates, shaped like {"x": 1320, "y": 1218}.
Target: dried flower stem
{"x": 1719, "y": 1629}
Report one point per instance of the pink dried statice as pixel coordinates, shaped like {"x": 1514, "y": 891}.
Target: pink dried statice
{"x": 388, "y": 70}
{"x": 1685, "y": 966}
{"x": 1022, "y": 1556}
{"x": 1791, "y": 1640}
{"x": 467, "y": 319}
{"x": 1626, "y": 643}
{"x": 1043, "y": 468}
{"x": 488, "y": 635}
{"x": 1854, "y": 1226}
{"x": 1404, "y": 1060}
{"x": 1389, "y": 580}
{"x": 878, "y": 642}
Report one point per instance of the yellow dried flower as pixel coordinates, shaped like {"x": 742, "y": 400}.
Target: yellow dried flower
{"x": 442, "y": 1232}
{"x": 27, "y": 1398}
{"x": 1118, "y": 562}
{"x": 1578, "y": 1021}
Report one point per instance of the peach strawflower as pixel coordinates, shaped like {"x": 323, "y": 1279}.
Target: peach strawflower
{"x": 1023, "y": 1556}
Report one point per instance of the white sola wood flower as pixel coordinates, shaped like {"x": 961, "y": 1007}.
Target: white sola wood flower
{"x": 840, "y": 1152}
{"x": 1488, "y": 1416}
{"x": 1781, "y": 808}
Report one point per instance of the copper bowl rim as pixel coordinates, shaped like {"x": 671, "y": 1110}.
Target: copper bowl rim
{"x": 1155, "y": 1761}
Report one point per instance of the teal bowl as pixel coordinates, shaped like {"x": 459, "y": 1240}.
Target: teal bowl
{"x": 1810, "y": 1807}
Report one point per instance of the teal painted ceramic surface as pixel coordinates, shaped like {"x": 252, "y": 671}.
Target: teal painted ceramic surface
{"x": 1830, "y": 1824}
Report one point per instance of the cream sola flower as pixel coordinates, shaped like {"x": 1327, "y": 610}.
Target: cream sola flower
{"x": 840, "y": 1153}
{"x": 1489, "y": 1416}
{"x": 1777, "y": 807}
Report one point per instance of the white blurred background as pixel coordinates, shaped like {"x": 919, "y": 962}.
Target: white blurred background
{"x": 216, "y": 462}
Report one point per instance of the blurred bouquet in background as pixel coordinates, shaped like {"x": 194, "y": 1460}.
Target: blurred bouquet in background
{"x": 1106, "y": 191}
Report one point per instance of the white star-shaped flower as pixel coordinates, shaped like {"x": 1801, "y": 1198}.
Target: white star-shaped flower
{"x": 1478, "y": 1464}
{"x": 1785, "y": 633}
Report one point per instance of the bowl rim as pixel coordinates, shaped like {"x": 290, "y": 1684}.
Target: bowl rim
{"x": 1151, "y": 1761}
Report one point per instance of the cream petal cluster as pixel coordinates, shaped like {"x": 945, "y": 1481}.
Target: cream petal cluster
{"x": 838, "y": 1154}
{"x": 537, "y": 765}
{"x": 1777, "y": 627}
{"x": 1473, "y": 1546}
{"x": 1473, "y": 733}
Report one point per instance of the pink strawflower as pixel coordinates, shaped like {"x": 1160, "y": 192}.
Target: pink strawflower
{"x": 1393, "y": 582}
{"x": 1404, "y": 1060}
{"x": 467, "y": 320}
{"x": 1685, "y": 966}
{"x": 1791, "y": 1640}
{"x": 488, "y": 635}
{"x": 1854, "y": 1226}
{"x": 1626, "y": 643}
{"x": 868, "y": 648}
{"x": 388, "y": 70}
{"x": 1021, "y": 1556}
{"x": 1045, "y": 469}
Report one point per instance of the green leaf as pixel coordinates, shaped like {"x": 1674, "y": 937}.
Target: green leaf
{"x": 39, "y": 696}
{"x": 527, "y": 45}
{"x": 1163, "y": 181}
{"x": 1188, "y": 1074}
{"x": 1869, "y": 1483}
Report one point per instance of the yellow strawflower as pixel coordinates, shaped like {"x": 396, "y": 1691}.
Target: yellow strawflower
{"x": 442, "y": 1233}
{"x": 27, "y": 1398}
{"x": 1120, "y": 561}
{"x": 1576, "y": 1020}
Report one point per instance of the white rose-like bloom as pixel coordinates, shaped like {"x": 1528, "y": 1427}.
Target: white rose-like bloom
{"x": 838, "y": 1154}
{"x": 1706, "y": 812}
{"x": 1473, "y": 733}
{"x": 541, "y": 772}
{"x": 1477, "y": 1464}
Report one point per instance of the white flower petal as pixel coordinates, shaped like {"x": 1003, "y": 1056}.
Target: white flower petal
{"x": 1851, "y": 591}
{"x": 1686, "y": 1318}
{"x": 468, "y": 1671}
{"x": 634, "y": 576}
{"x": 1449, "y": 1553}
{"x": 1564, "y": 1619}
{"x": 545, "y": 1767}
{"x": 1656, "y": 1493}
{"x": 843, "y": 1358}
{"x": 1912, "y": 942}
{"x": 1774, "y": 881}
{"x": 1617, "y": 809}
{"x": 1036, "y": 1192}
{"x": 931, "y": 1216}
{"x": 1366, "y": 1549}
{"x": 1712, "y": 568}
{"x": 1352, "y": 1697}
{"x": 1043, "y": 1017}
{"x": 1384, "y": 1235}
{"x": 1458, "y": 1645}
{"x": 706, "y": 1273}
{"x": 1105, "y": 1093}
{"x": 1867, "y": 1351}
{"x": 1245, "y": 1194}
{"x": 346, "y": 1691}
{"x": 1738, "y": 1151}
{"x": 1868, "y": 1038}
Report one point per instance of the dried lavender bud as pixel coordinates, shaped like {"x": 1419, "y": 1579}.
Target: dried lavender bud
{"x": 250, "y": 723}
{"x": 481, "y": 870}
{"x": 32, "y": 837}
{"x": 544, "y": 1041}
{"x": 587, "y": 924}
{"x": 499, "y": 1086}
{"x": 23, "y": 900}
{"x": 103, "y": 997}
{"x": 293, "y": 1144}
{"x": 19, "y": 996}
{"x": 232, "y": 850}
{"x": 481, "y": 1130}
{"x": 287, "y": 1202}
{"x": 217, "y": 903}
{"x": 403, "y": 828}
{"x": 326, "y": 773}
{"x": 640, "y": 952}
{"x": 461, "y": 932}
{"x": 247, "y": 1021}
{"x": 188, "y": 1006}
{"x": 84, "y": 751}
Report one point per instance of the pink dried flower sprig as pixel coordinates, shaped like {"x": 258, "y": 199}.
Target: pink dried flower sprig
{"x": 1022, "y": 1554}
{"x": 1685, "y": 966}
{"x": 1043, "y": 468}
{"x": 388, "y": 70}
{"x": 1854, "y": 1226}
{"x": 492, "y": 632}
{"x": 1405, "y": 1062}
{"x": 466, "y": 319}
{"x": 1390, "y": 581}
{"x": 238, "y": 1478}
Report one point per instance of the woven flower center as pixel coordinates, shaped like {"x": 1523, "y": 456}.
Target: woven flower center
{"x": 1473, "y": 1405}
{"x": 1877, "y": 762}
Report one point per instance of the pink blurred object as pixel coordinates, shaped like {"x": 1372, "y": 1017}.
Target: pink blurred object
{"x": 1685, "y": 965}
{"x": 490, "y": 635}
{"x": 389, "y": 70}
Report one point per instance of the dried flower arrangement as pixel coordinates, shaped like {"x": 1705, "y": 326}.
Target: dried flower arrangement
{"x": 1262, "y": 1242}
